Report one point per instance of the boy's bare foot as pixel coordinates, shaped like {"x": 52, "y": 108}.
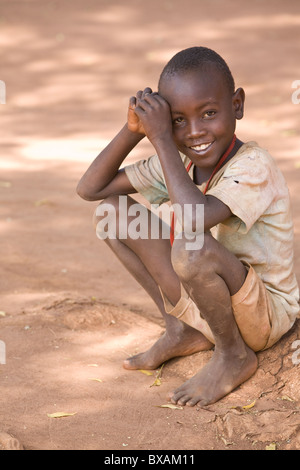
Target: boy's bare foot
{"x": 220, "y": 376}
{"x": 180, "y": 341}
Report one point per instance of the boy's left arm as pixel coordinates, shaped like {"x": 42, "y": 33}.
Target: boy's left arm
{"x": 154, "y": 112}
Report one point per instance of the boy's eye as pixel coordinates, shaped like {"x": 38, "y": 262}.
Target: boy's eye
{"x": 209, "y": 114}
{"x": 178, "y": 120}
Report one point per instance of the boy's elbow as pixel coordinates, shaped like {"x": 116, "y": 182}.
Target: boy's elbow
{"x": 84, "y": 194}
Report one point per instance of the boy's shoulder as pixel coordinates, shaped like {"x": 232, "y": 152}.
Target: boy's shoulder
{"x": 252, "y": 161}
{"x": 251, "y": 173}
{"x": 254, "y": 153}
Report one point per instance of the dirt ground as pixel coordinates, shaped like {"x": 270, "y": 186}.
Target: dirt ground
{"x": 69, "y": 312}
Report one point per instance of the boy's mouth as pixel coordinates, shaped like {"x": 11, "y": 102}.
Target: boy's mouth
{"x": 201, "y": 148}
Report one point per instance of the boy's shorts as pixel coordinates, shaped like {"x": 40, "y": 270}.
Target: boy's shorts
{"x": 259, "y": 315}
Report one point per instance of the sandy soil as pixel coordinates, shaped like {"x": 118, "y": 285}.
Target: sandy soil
{"x": 69, "y": 312}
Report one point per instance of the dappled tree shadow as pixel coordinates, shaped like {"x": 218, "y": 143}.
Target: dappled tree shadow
{"x": 69, "y": 68}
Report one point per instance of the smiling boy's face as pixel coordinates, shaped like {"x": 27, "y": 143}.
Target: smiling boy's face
{"x": 204, "y": 113}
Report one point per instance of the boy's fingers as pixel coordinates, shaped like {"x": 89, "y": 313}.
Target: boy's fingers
{"x": 141, "y": 94}
{"x": 139, "y": 111}
{"x": 145, "y": 98}
{"x": 132, "y": 102}
{"x": 159, "y": 98}
{"x": 147, "y": 91}
{"x": 153, "y": 99}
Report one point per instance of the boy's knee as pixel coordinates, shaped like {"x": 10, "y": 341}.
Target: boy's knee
{"x": 189, "y": 263}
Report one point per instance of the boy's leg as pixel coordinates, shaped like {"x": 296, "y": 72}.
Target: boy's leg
{"x": 211, "y": 276}
{"x": 149, "y": 262}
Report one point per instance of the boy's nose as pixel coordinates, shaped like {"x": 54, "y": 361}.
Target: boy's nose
{"x": 196, "y": 129}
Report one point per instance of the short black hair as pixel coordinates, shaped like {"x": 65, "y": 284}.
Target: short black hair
{"x": 196, "y": 58}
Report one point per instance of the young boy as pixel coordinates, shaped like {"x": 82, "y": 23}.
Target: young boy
{"x": 236, "y": 290}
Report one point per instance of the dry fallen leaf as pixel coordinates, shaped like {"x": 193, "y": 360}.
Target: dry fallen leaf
{"x": 2, "y": 314}
{"x": 157, "y": 380}
{"x": 271, "y": 446}
{"x": 95, "y": 379}
{"x": 169, "y": 405}
{"x": 247, "y": 407}
{"x": 146, "y": 372}
{"x": 60, "y": 414}
{"x": 286, "y": 397}
{"x": 43, "y": 202}
{"x": 227, "y": 443}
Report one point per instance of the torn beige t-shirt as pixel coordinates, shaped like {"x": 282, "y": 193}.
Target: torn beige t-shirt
{"x": 260, "y": 231}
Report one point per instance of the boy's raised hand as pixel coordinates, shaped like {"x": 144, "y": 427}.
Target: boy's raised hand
{"x": 154, "y": 115}
{"x": 149, "y": 114}
{"x": 133, "y": 121}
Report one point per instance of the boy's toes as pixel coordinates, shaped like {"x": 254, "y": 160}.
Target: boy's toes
{"x": 178, "y": 397}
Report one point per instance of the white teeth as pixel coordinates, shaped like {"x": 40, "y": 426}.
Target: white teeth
{"x": 201, "y": 147}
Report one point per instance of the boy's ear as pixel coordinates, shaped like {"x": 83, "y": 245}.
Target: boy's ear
{"x": 238, "y": 100}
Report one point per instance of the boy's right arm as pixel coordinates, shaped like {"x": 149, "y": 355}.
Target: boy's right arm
{"x": 104, "y": 178}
